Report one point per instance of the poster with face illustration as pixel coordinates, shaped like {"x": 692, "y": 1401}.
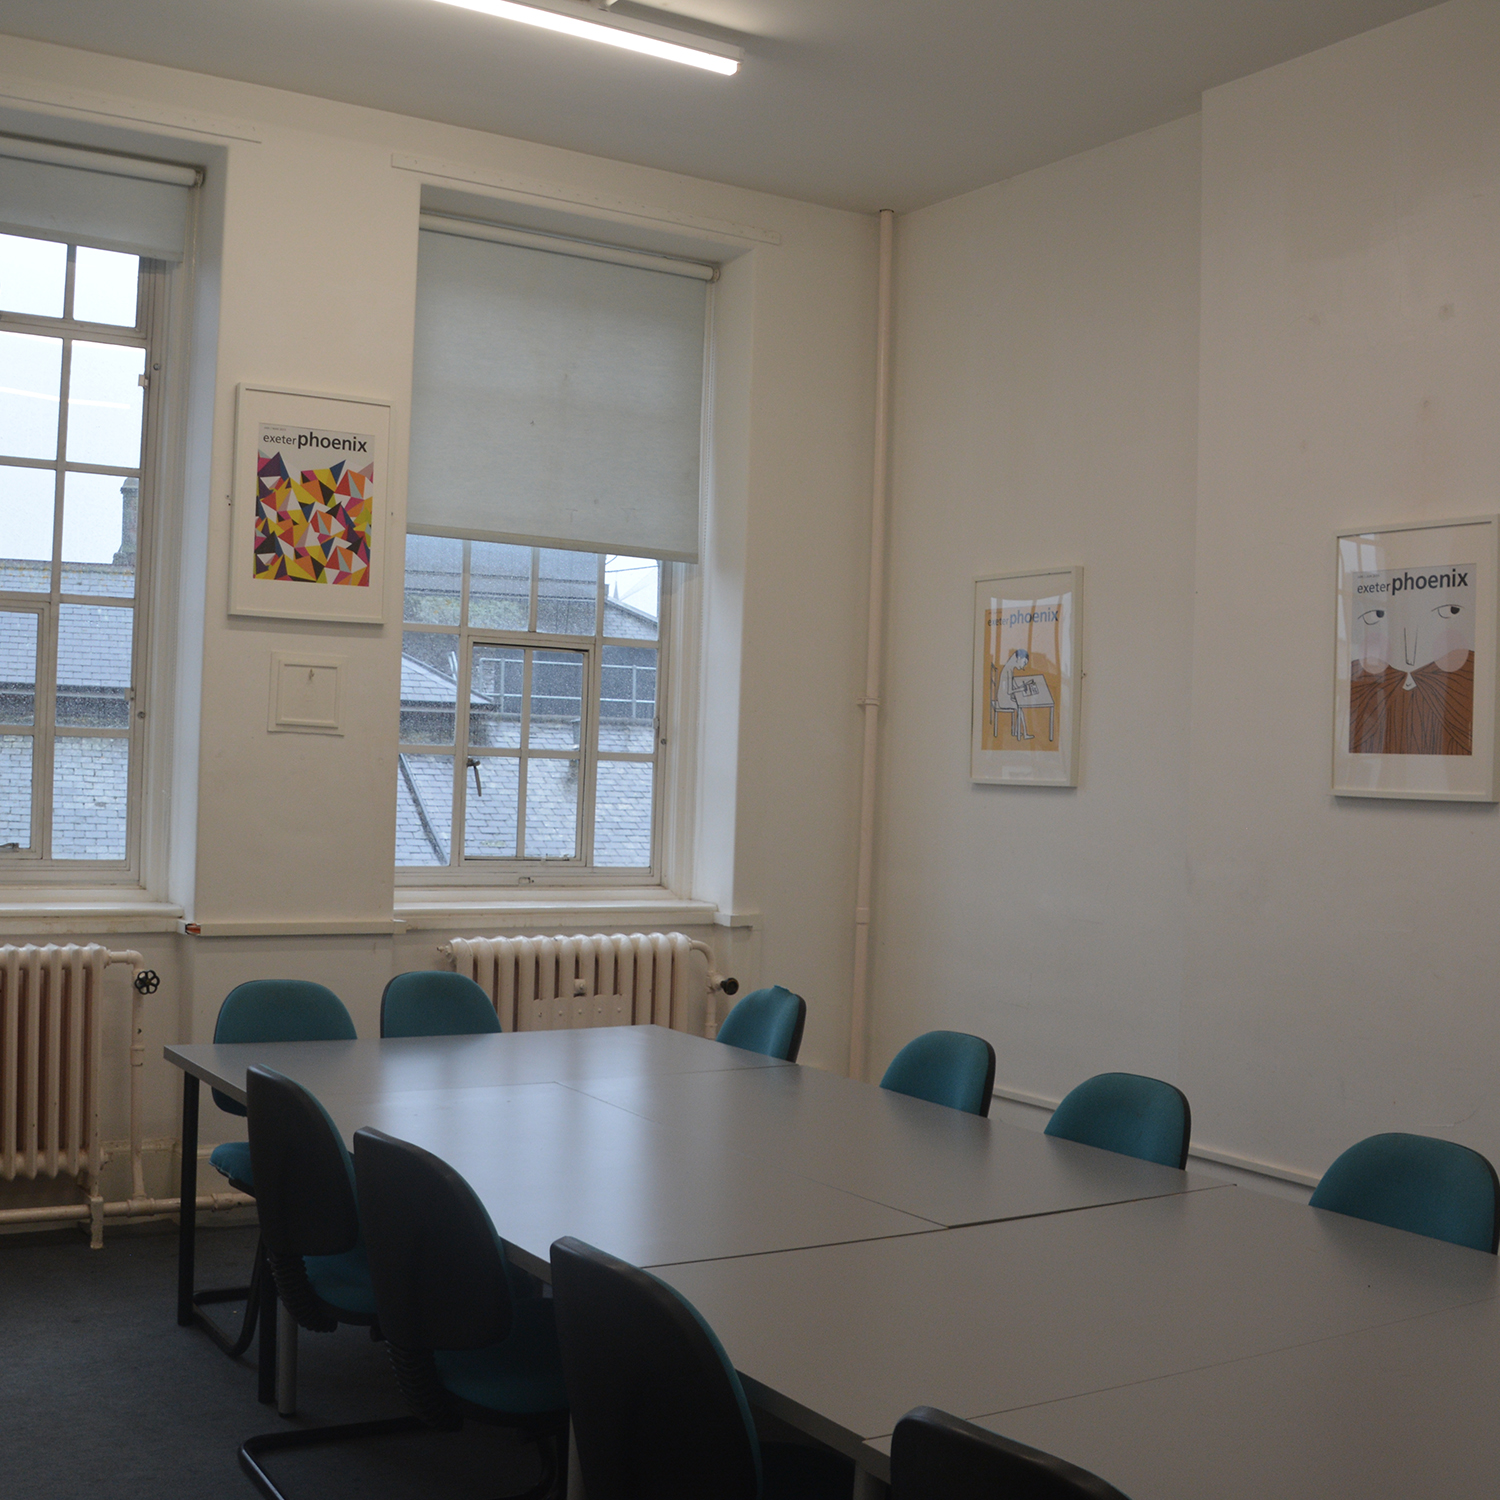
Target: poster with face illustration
{"x": 1414, "y": 711}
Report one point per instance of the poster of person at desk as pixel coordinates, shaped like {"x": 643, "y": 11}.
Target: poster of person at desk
{"x": 1025, "y": 659}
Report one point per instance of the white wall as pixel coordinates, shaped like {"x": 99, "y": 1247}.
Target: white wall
{"x": 306, "y": 279}
{"x": 1344, "y": 954}
{"x": 1310, "y": 970}
{"x": 1046, "y": 365}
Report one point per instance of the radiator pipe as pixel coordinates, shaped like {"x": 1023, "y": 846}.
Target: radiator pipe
{"x": 870, "y": 703}
{"x": 123, "y": 1208}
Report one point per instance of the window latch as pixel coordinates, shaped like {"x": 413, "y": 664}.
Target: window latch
{"x": 473, "y": 765}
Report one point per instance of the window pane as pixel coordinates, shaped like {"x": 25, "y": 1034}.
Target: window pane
{"x": 622, "y": 814}
{"x": 93, "y": 667}
{"x": 17, "y": 668}
{"x": 424, "y": 809}
{"x": 496, "y": 681}
{"x": 90, "y": 780}
{"x": 490, "y": 807}
{"x": 27, "y": 500}
{"x": 30, "y": 387}
{"x": 556, "y": 700}
{"x": 551, "y": 809}
{"x": 434, "y": 578}
{"x": 100, "y": 516}
{"x": 632, "y": 597}
{"x": 627, "y": 699}
{"x": 499, "y": 586}
{"x": 566, "y": 592}
{"x": 104, "y": 404}
{"x": 33, "y": 275}
{"x": 15, "y": 791}
{"x": 105, "y": 284}
{"x": 429, "y": 688}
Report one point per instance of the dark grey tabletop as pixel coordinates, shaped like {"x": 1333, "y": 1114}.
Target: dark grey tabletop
{"x": 372, "y": 1066}
{"x": 844, "y": 1340}
{"x": 1391, "y": 1413}
{"x": 942, "y": 1164}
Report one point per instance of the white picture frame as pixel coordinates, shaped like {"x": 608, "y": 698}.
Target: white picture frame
{"x": 1415, "y": 635}
{"x": 1027, "y": 678}
{"x": 300, "y": 547}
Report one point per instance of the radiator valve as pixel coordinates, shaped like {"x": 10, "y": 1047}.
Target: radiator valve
{"x": 147, "y": 981}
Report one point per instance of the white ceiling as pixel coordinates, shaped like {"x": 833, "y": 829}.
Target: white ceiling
{"x": 860, "y": 104}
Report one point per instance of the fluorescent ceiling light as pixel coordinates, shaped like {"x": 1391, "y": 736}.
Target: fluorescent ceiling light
{"x": 615, "y": 31}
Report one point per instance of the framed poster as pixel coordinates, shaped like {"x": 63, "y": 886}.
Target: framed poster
{"x": 1027, "y": 675}
{"x": 311, "y": 500}
{"x": 1414, "y": 666}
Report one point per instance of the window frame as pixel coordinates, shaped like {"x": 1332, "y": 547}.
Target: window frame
{"x": 31, "y": 867}
{"x": 519, "y": 870}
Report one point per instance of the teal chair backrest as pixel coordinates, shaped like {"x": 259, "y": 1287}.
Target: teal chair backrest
{"x": 769, "y": 1021}
{"x": 1437, "y": 1188}
{"x": 945, "y": 1067}
{"x": 1128, "y": 1113}
{"x": 280, "y": 1010}
{"x": 434, "y": 1002}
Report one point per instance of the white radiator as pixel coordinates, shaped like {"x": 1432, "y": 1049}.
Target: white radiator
{"x": 554, "y": 983}
{"x": 51, "y": 1003}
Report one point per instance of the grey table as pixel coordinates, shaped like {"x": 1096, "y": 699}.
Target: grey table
{"x": 373, "y": 1066}
{"x": 941, "y": 1164}
{"x": 842, "y": 1341}
{"x": 373, "y": 1069}
{"x": 548, "y": 1160}
{"x": 1391, "y": 1413}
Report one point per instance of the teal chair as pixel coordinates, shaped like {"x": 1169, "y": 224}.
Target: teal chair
{"x": 1128, "y": 1113}
{"x": 1437, "y": 1188}
{"x": 659, "y": 1412}
{"x": 770, "y": 1022}
{"x": 434, "y": 1002}
{"x": 466, "y": 1332}
{"x": 263, "y": 1010}
{"x": 309, "y": 1220}
{"x": 935, "y": 1454}
{"x": 945, "y": 1067}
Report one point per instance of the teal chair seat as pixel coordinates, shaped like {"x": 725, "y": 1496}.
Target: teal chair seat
{"x": 343, "y": 1282}
{"x": 233, "y": 1160}
{"x": 1415, "y": 1182}
{"x": 1128, "y": 1113}
{"x": 434, "y": 1002}
{"x": 945, "y": 1067}
{"x": 523, "y": 1374}
{"x": 770, "y": 1022}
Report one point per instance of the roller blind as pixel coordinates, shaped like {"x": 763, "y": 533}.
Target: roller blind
{"x": 114, "y": 202}
{"x": 556, "y": 399}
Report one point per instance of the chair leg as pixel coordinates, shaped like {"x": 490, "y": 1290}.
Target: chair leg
{"x": 252, "y": 1450}
{"x": 286, "y": 1361}
{"x": 252, "y": 1296}
{"x": 266, "y": 1364}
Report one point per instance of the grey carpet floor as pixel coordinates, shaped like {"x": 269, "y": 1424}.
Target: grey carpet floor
{"x": 104, "y": 1395}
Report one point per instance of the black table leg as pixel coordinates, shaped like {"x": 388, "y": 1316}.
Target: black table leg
{"x": 187, "y": 1207}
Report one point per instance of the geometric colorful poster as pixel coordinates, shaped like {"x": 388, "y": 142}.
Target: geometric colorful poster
{"x": 314, "y": 525}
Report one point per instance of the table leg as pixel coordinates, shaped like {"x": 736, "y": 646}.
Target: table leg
{"x": 187, "y": 1206}
{"x": 868, "y": 1487}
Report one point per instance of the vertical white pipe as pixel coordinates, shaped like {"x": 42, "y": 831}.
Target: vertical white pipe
{"x": 858, "y": 1018}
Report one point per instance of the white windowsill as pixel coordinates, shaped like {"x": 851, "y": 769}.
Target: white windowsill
{"x": 550, "y": 909}
{"x": 23, "y": 913}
